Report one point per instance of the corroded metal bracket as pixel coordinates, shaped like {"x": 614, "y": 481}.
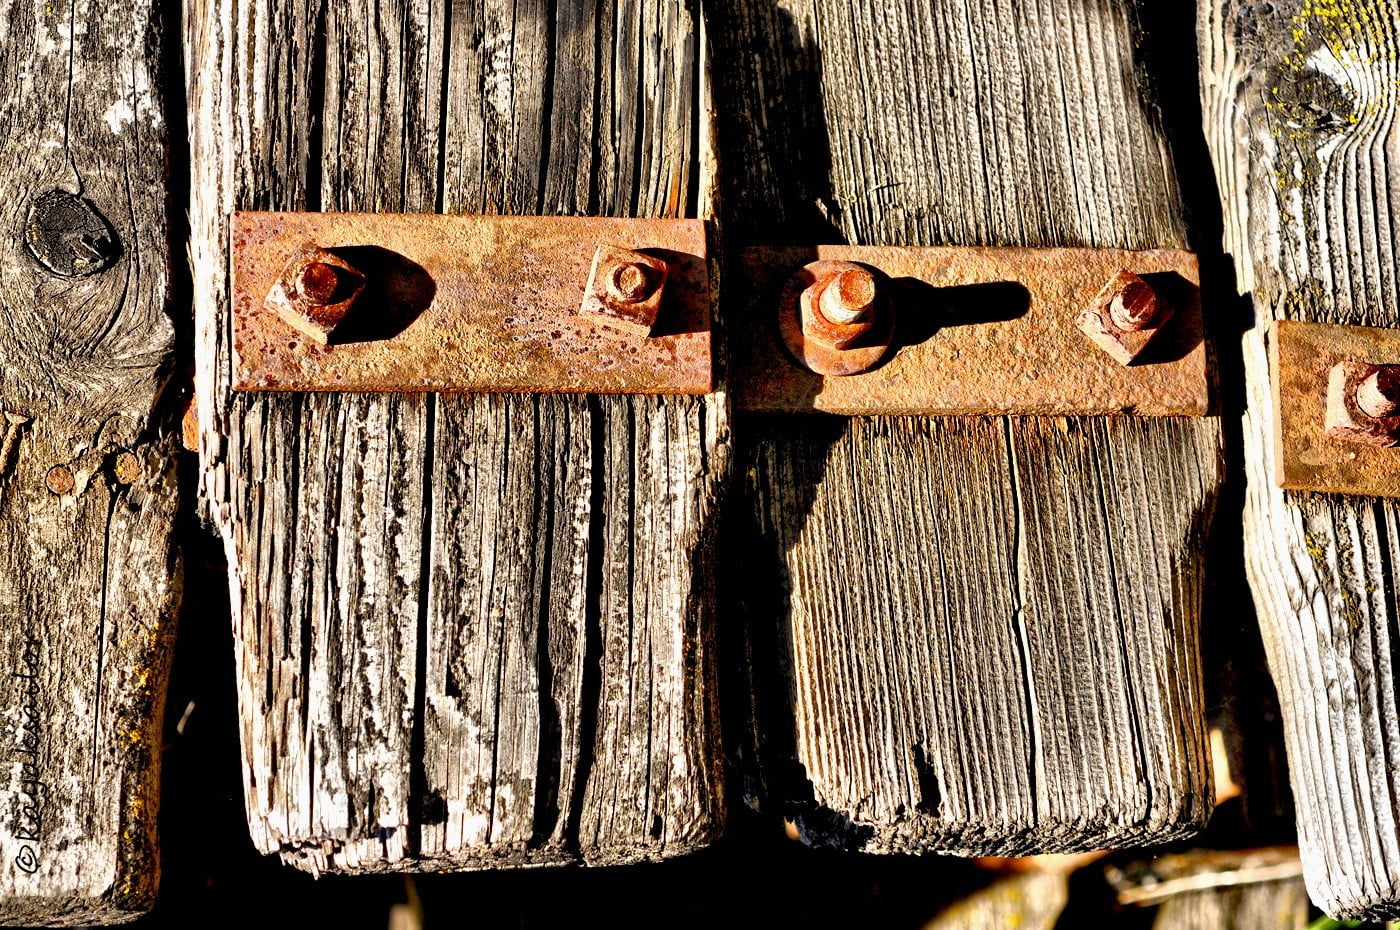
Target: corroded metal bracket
{"x": 423, "y": 302}
{"x": 976, "y": 331}
{"x": 1324, "y": 385}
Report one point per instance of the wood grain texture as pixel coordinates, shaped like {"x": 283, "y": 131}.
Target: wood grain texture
{"x": 471, "y": 630}
{"x": 1280, "y": 905}
{"x": 89, "y": 581}
{"x": 1300, "y": 103}
{"x": 1030, "y": 900}
{"x": 986, "y": 628}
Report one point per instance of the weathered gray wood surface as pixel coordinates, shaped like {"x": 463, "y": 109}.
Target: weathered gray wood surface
{"x": 1027, "y": 900}
{"x": 1300, "y": 104}
{"x": 89, "y": 580}
{"x": 988, "y": 628}
{"x": 470, "y": 630}
{"x": 1280, "y": 905}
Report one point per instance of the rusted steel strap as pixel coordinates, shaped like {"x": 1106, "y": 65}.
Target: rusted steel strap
{"x": 977, "y": 331}
{"x": 1337, "y": 408}
{"x": 423, "y": 302}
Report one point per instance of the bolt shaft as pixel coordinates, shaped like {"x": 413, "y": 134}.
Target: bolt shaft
{"x": 317, "y": 283}
{"x": 1378, "y": 395}
{"x": 848, "y": 297}
{"x": 1134, "y": 307}
{"x": 628, "y": 282}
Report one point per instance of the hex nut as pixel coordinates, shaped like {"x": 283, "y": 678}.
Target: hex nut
{"x": 624, "y": 290}
{"x": 315, "y": 292}
{"x": 1124, "y": 317}
{"x": 1345, "y": 420}
{"x": 835, "y": 349}
{"x": 841, "y": 308}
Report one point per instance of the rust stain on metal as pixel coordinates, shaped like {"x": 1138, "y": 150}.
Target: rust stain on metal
{"x": 470, "y": 303}
{"x": 978, "y": 331}
{"x": 1324, "y": 439}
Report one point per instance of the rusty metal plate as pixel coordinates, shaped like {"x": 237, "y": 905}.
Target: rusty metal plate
{"x": 1306, "y": 458}
{"x": 979, "y": 331}
{"x": 470, "y": 303}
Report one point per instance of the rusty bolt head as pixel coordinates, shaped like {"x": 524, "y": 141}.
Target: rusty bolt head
{"x": 1134, "y": 304}
{"x": 1378, "y": 394}
{"x": 315, "y": 292}
{"x": 126, "y": 467}
{"x": 1125, "y": 316}
{"x": 624, "y": 290}
{"x": 1354, "y": 390}
{"x": 833, "y": 320}
{"x": 60, "y": 480}
{"x": 317, "y": 283}
{"x": 629, "y": 282}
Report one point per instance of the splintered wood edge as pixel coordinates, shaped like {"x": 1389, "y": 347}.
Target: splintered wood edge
{"x": 1306, "y": 458}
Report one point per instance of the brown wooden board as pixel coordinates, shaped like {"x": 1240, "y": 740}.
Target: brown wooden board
{"x": 978, "y": 330}
{"x": 470, "y": 630}
{"x": 1301, "y": 115}
{"x": 89, "y": 576}
{"x": 982, "y": 632}
{"x": 470, "y": 303}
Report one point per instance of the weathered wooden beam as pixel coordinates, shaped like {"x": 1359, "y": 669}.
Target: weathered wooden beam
{"x": 89, "y": 576}
{"x": 1300, "y": 109}
{"x": 984, "y": 630}
{"x": 471, "y": 630}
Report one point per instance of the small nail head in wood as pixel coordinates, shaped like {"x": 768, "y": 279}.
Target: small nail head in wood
{"x": 624, "y": 291}
{"x": 60, "y": 480}
{"x": 1125, "y": 317}
{"x": 126, "y": 467}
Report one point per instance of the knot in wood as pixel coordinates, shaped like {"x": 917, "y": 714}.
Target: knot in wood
{"x": 66, "y": 235}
